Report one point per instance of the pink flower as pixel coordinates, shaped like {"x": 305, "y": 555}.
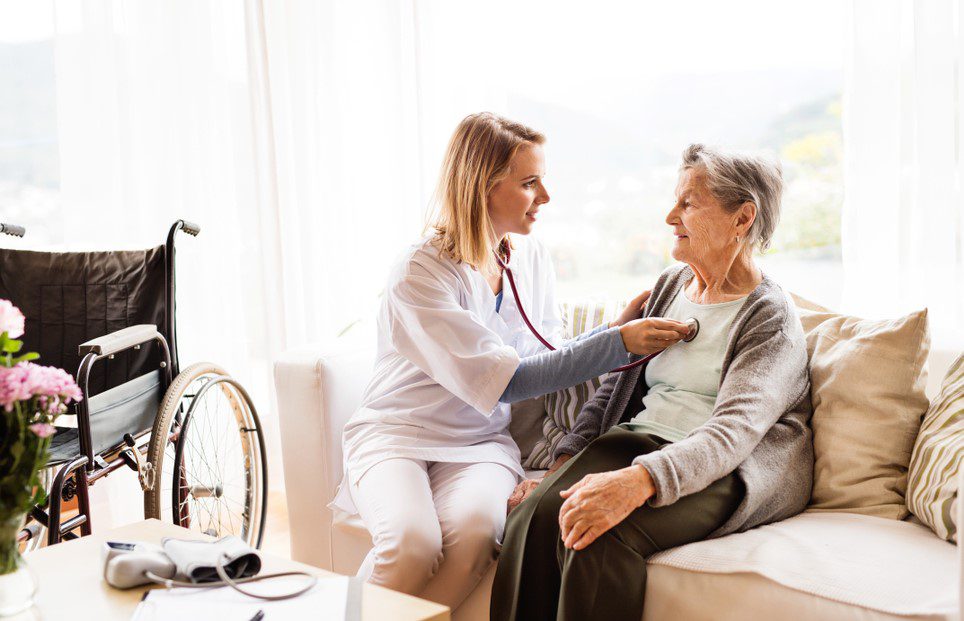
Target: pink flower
{"x": 27, "y": 380}
{"x": 43, "y": 430}
{"x": 11, "y": 319}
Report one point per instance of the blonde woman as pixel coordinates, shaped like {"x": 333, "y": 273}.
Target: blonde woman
{"x": 429, "y": 462}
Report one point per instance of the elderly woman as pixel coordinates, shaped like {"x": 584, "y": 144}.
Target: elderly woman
{"x": 711, "y": 437}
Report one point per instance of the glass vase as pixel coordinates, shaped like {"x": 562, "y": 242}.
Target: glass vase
{"x": 18, "y": 585}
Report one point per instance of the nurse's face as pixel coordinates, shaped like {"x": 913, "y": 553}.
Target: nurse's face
{"x": 514, "y": 202}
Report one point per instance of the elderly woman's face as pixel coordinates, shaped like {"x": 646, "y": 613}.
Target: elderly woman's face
{"x": 705, "y": 231}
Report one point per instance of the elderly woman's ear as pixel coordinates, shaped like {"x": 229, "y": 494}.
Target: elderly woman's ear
{"x": 746, "y": 216}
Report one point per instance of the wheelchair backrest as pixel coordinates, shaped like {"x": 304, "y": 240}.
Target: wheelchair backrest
{"x": 68, "y": 298}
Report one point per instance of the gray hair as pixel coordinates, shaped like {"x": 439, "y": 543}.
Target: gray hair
{"x": 734, "y": 179}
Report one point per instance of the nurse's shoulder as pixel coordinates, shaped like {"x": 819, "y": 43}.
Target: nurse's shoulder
{"x": 424, "y": 264}
{"x": 530, "y": 255}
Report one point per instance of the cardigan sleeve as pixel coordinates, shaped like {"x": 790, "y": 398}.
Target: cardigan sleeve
{"x": 766, "y": 377}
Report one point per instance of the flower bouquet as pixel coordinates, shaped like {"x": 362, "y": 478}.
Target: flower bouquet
{"x": 31, "y": 398}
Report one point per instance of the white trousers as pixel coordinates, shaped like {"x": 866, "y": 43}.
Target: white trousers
{"x": 435, "y": 526}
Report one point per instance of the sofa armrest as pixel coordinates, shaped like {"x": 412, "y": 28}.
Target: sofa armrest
{"x": 318, "y": 388}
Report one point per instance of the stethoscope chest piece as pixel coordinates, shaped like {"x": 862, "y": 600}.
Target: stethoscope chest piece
{"x": 694, "y": 326}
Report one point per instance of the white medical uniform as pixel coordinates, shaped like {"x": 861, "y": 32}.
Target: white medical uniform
{"x": 430, "y": 428}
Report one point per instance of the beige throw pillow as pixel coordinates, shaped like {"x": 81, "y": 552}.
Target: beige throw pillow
{"x": 868, "y": 381}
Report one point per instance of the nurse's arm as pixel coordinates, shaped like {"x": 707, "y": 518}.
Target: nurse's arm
{"x": 576, "y": 362}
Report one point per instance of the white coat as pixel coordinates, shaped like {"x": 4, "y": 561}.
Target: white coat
{"x": 444, "y": 357}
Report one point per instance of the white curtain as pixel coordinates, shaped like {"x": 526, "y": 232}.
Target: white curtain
{"x": 294, "y": 132}
{"x": 162, "y": 114}
{"x": 345, "y": 128}
{"x": 903, "y": 224}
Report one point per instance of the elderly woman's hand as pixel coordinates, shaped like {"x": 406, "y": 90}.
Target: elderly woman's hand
{"x": 520, "y": 493}
{"x": 633, "y": 310}
{"x": 600, "y": 501}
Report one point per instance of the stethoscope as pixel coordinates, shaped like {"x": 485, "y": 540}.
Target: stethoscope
{"x": 504, "y": 248}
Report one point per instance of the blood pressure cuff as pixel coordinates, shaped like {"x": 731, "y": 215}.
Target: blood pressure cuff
{"x": 196, "y": 561}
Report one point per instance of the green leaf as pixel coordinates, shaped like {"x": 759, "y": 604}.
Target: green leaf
{"x": 12, "y": 346}
{"x": 30, "y": 355}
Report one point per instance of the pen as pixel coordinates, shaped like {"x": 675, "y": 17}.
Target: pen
{"x": 258, "y": 616}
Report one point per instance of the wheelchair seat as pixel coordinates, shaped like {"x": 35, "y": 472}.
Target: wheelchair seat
{"x": 64, "y": 446}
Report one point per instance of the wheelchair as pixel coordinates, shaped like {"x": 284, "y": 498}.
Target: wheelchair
{"x": 193, "y": 436}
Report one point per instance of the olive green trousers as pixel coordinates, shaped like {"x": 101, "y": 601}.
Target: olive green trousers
{"x": 538, "y": 578}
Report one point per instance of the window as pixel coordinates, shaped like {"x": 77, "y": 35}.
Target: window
{"x": 622, "y": 88}
{"x": 29, "y": 166}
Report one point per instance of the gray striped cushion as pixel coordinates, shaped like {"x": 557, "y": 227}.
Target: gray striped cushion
{"x": 563, "y": 406}
{"x": 938, "y": 454}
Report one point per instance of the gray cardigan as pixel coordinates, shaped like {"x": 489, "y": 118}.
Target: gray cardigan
{"x": 760, "y": 423}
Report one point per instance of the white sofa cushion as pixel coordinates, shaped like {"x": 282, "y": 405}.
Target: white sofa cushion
{"x": 880, "y": 564}
{"x": 859, "y": 567}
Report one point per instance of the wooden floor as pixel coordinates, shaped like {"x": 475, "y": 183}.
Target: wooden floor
{"x": 277, "y": 536}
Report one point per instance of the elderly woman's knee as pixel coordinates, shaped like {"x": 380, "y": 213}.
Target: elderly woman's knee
{"x": 547, "y": 506}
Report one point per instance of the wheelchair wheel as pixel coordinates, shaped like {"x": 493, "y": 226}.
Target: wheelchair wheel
{"x": 208, "y": 458}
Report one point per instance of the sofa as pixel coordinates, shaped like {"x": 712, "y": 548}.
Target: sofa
{"x": 814, "y": 566}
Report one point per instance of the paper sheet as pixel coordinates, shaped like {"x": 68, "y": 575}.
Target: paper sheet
{"x": 326, "y": 601}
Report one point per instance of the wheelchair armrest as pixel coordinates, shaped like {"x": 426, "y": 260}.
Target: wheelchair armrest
{"x": 120, "y": 340}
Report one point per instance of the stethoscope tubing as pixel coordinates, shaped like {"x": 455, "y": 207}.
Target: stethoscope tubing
{"x": 535, "y": 333}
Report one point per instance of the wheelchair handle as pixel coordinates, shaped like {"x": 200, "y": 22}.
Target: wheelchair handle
{"x": 189, "y": 227}
{"x": 12, "y": 229}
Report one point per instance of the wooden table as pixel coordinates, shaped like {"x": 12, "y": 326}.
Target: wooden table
{"x": 72, "y": 586}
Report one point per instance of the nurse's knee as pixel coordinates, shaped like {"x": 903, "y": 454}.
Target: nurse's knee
{"x": 474, "y": 541}
{"x": 409, "y": 554}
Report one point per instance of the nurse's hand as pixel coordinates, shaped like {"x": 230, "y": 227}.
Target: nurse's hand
{"x": 633, "y": 310}
{"x": 650, "y": 335}
{"x": 520, "y": 493}
{"x": 600, "y": 501}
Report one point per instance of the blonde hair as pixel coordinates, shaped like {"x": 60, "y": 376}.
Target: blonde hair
{"x": 477, "y": 158}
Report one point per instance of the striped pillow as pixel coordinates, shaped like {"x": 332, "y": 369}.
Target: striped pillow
{"x": 938, "y": 454}
{"x": 564, "y": 405}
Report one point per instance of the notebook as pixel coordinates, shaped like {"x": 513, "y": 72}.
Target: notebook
{"x": 331, "y": 599}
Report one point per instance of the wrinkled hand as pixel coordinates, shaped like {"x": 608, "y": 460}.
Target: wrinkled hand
{"x": 560, "y": 461}
{"x": 651, "y": 335}
{"x": 600, "y": 501}
{"x": 520, "y": 493}
{"x": 633, "y": 310}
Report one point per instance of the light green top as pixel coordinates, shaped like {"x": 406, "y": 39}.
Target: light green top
{"x": 684, "y": 380}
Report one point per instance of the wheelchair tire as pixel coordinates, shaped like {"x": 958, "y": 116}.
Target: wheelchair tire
{"x": 207, "y": 452}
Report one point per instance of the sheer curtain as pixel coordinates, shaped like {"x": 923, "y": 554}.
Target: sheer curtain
{"x": 162, "y": 115}
{"x": 295, "y": 132}
{"x": 903, "y": 224}
{"x": 344, "y": 117}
